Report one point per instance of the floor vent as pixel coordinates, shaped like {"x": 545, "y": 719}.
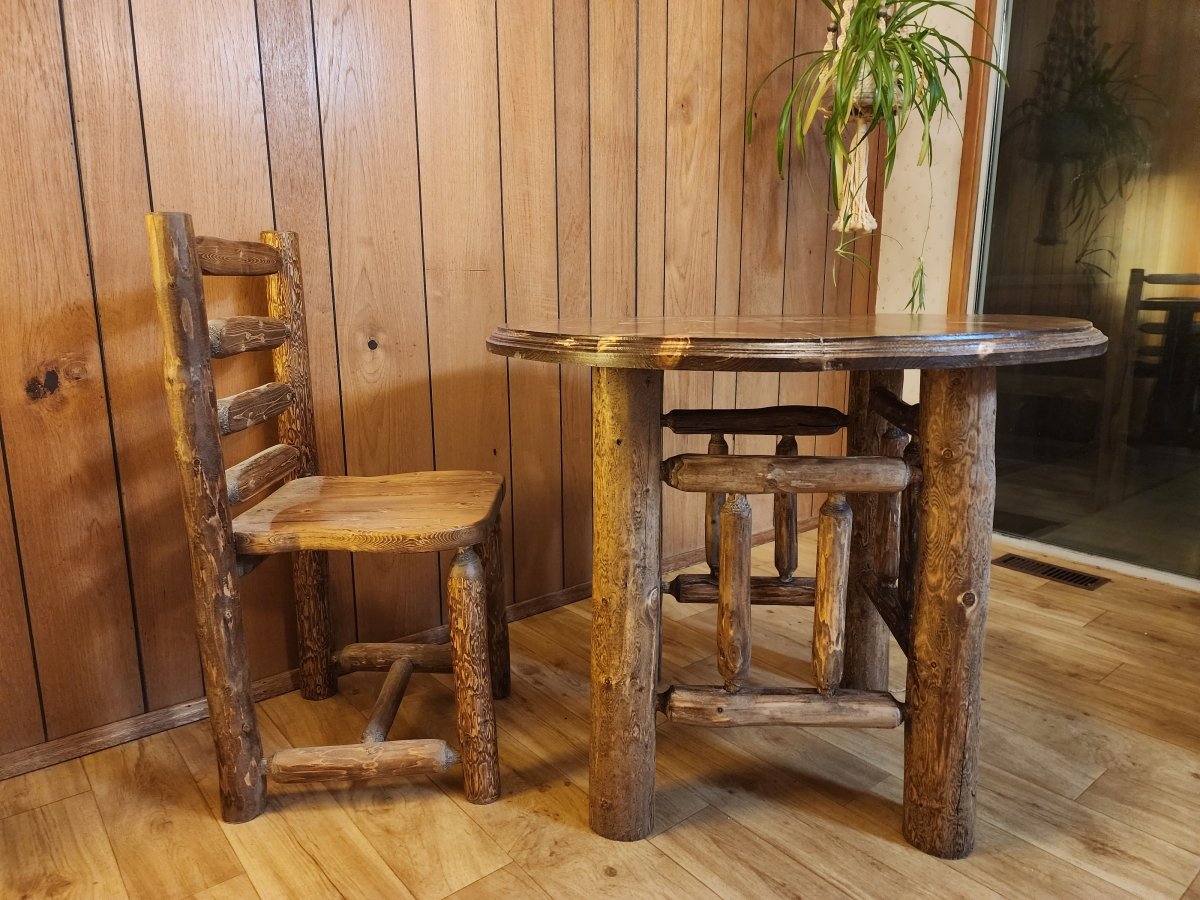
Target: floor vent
{"x": 1050, "y": 572}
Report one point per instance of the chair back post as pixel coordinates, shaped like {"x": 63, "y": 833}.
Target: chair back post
{"x": 1119, "y": 396}
{"x": 297, "y": 428}
{"x": 192, "y": 405}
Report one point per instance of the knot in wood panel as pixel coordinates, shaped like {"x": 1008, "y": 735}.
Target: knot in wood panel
{"x": 53, "y": 377}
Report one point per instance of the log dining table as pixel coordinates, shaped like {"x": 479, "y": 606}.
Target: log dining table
{"x": 957, "y": 357}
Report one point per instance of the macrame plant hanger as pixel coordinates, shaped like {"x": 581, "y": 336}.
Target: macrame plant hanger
{"x": 854, "y": 212}
{"x": 1069, "y": 56}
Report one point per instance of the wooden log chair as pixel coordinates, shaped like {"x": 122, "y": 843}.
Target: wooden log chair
{"x": 892, "y": 480}
{"x": 308, "y": 515}
{"x": 786, "y": 423}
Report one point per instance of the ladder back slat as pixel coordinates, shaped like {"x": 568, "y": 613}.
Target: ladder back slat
{"x": 253, "y": 407}
{"x": 219, "y": 256}
{"x": 238, "y": 334}
{"x": 261, "y": 471}
{"x": 1172, "y": 278}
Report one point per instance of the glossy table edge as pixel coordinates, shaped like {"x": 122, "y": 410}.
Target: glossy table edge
{"x": 801, "y": 351}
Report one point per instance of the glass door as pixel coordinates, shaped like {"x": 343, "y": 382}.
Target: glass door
{"x": 1095, "y": 213}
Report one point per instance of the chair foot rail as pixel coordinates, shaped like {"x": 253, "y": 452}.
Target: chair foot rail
{"x": 357, "y": 762}
{"x": 387, "y": 704}
{"x": 716, "y": 708}
{"x": 380, "y": 657}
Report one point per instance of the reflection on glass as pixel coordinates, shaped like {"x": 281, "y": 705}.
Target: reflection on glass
{"x": 1096, "y": 187}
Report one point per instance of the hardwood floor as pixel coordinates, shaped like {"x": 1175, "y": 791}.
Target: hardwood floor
{"x": 1090, "y": 784}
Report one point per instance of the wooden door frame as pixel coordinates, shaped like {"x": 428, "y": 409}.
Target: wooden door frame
{"x": 971, "y": 174}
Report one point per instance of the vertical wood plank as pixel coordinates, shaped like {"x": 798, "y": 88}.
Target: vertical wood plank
{"x": 52, "y": 398}
{"x": 525, "y": 45}
{"x": 293, "y": 115}
{"x": 693, "y": 93}
{"x": 735, "y": 18}
{"x": 613, "y": 98}
{"x": 206, "y": 151}
{"x": 108, "y": 135}
{"x": 454, "y": 60}
{"x": 364, "y": 71}
{"x": 18, "y": 679}
{"x": 652, "y": 160}
{"x": 770, "y": 38}
{"x": 572, "y": 118}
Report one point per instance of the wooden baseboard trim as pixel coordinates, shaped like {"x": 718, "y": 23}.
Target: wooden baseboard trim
{"x": 18, "y": 762}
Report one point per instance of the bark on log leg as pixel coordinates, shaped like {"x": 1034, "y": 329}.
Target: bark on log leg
{"x": 733, "y": 593}
{"x": 866, "y": 664}
{"x": 941, "y": 735}
{"x": 786, "y": 540}
{"x": 829, "y": 611}
{"x": 314, "y": 632}
{"x": 717, "y": 446}
{"x": 472, "y": 677}
{"x": 192, "y": 405}
{"x": 297, "y": 427}
{"x": 498, "y": 655}
{"x": 231, "y": 715}
{"x": 627, "y": 491}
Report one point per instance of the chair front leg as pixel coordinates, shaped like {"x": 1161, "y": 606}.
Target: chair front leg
{"x": 493, "y": 566}
{"x": 467, "y": 590}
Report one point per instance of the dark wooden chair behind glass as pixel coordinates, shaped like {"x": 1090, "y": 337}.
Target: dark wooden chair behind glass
{"x": 307, "y": 515}
{"x": 1162, "y": 355}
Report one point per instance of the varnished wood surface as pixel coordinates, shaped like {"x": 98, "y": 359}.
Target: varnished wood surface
{"x": 800, "y": 343}
{"x": 237, "y": 334}
{"x": 1088, "y": 787}
{"x": 221, "y": 256}
{"x": 415, "y": 511}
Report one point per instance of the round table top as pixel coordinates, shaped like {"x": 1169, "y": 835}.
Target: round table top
{"x": 800, "y": 344}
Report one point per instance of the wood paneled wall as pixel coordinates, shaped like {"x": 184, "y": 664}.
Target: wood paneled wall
{"x": 448, "y": 164}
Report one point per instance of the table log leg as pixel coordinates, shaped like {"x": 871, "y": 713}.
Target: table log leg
{"x": 866, "y": 659}
{"x": 941, "y": 733}
{"x": 627, "y": 494}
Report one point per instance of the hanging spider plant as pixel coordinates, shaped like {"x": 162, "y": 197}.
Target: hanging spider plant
{"x": 1087, "y": 130}
{"x": 883, "y": 65}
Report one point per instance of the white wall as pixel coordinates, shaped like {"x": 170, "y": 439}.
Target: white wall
{"x": 907, "y": 199}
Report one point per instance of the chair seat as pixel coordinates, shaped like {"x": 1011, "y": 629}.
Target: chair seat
{"x": 413, "y": 512}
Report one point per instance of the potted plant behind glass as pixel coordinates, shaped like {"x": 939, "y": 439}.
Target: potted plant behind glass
{"x": 1084, "y": 128}
{"x": 881, "y": 65}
